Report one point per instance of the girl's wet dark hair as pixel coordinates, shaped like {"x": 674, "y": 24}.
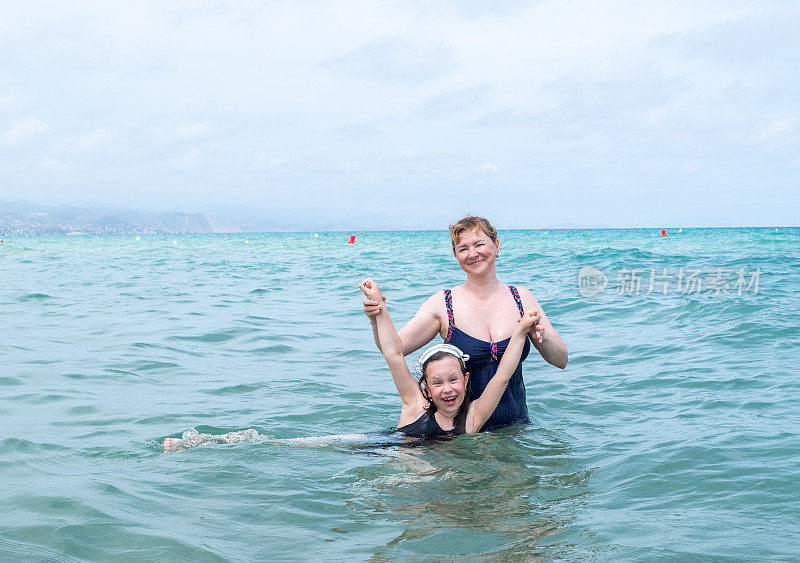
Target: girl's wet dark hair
{"x": 461, "y": 417}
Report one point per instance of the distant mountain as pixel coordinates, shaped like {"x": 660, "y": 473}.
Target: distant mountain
{"x": 24, "y": 218}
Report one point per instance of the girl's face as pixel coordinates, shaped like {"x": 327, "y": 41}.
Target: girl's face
{"x": 476, "y": 251}
{"x": 446, "y": 385}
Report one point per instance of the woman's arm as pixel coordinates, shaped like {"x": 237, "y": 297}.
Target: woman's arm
{"x": 482, "y": 408}
{"x": 544, "y": 337}
{"x": 391, "y": 347}
{"x": 421, "y": 329}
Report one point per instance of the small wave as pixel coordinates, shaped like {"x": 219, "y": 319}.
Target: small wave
{"x": 352, "y": 353}
{"x": 41, "y": 362}
{"x": 609, "y": 253}
{"x": 10, "y": 445}
{"x": 153, "y": 365}
{"x": 35, "y": 297}
{"x": 212, "y": 337}
{"x": 83, "y": 409}
{"x": 166, "y": 348}
{"x": 38, "y": 399}
{"x": 23, "y": 550}
{"x": 120, "y": 372}
{"x": 237, "y": 389}
{"x": 274, "y": 349}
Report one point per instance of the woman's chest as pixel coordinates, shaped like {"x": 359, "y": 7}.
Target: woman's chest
{"x": 491, "y": 320}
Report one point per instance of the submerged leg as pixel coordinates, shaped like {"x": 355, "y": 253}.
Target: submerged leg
{"x": 321, "y": 441}
{"x": 192, "y": 438}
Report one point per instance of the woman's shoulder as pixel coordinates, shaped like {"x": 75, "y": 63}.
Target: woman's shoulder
{"x": 525, "y": 294}
{"x": 456, "y": 288}
{"x": 434, "y": 300}
{"x": 522, "y": 290}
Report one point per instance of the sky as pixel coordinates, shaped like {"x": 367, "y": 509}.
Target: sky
{"x": 407, "y": 113}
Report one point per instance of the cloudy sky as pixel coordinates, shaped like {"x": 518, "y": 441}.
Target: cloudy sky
{"x": 407, "y": 113}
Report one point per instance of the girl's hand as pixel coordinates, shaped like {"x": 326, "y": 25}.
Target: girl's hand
{"x": 373, "y": 294}
{"x": 529, "y": 323}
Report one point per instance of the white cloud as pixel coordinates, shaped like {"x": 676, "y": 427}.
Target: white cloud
{"x": 396, "y": 61}
{"x": 188, "y": 159}
{"x": 23, "y": 130}
{"x": 777, "y": 130}
{"x": 359, "y": 94}
{"x": 267, "y": 161}
{"x": 183, "y": 130}
{"x": 94, "y": 139}
{"x": 10, "y": 100}
{"x": 54, "y": 164}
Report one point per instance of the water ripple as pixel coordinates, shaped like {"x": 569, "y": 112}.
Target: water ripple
{"x": 673, "y": 428}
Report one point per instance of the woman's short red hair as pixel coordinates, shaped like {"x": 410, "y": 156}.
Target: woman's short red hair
{"x": 471, "y": 223}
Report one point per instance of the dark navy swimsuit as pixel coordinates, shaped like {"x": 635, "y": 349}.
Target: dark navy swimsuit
{"x": 484, "y": 357}
{"x": 427, "y": 427}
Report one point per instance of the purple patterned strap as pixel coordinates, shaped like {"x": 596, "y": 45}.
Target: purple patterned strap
{"x": 451, "y": 320}
{"x": 515, "y": 293}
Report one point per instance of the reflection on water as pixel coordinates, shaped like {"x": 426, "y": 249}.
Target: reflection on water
{"x": 499, "y": 494}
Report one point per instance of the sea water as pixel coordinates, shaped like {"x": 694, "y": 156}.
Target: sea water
{"x": 673, "y": 432}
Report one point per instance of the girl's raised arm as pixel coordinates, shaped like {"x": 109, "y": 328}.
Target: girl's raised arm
{"x": 482, "y": 408}
{"x": 392, "y": 349}
{"x": 417, "y": 332}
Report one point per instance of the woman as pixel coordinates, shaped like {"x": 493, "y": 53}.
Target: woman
{"x": 479, "y": 317}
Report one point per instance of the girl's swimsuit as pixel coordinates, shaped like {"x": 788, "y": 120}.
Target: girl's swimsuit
{"x": 484, "y": 357}
{"x": 427, "y": 427}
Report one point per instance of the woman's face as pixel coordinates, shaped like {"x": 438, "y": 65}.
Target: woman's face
{"x": 476, "y": 251}
{"x": 446, "y": 385}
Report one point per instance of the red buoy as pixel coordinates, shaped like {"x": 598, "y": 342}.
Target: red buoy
{"x": 352, "y": 239}
{"x": 663, "y": 232}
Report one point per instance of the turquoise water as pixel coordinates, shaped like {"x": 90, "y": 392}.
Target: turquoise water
{"x": 673, "y": 432}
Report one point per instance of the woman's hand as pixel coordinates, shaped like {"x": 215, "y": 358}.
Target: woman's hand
{"x": 372, "y": 307}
